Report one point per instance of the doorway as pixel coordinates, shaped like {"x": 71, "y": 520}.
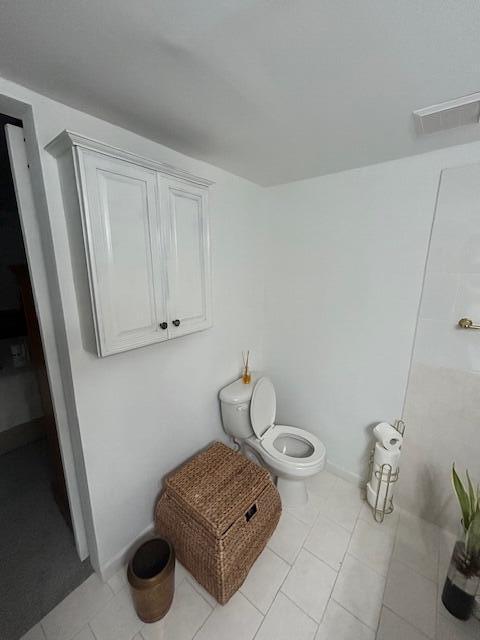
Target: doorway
{"x": 38, "y": 558}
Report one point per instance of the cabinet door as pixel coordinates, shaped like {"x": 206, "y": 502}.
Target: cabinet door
{"x": 124, "y": 251}
{"x": 189, "y": 288}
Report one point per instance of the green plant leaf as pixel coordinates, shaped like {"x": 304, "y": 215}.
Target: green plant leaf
{"x": 472, "y": 496}
{"x": 463, "y": 499}
{"x": 472, "y": 541}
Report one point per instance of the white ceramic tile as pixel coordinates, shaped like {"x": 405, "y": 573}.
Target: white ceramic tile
{"x": 414, "y": 529}
{"x": 309, "y": 584}
{"x": 265, "y": 579}
{"x": 180, "y": 573}
{"x": 118, "y": 620}
{"x": 209, "y": 599}
{"x": 390, "y": 521}
{"x": 359, "y": 589}
{"x": 392, "y": 627}
{"x": 417, "y": 545}
{"x": 412, "y": 596}
{"x": 372, "y": 545}
{"x": 328, "y": 541}
{"x": 424, "y": 563}
{"x": 464, "y": 628}
{"x": 237, "y": 620}
{"x": 449, "y": 628}
{"x": 288, "y": 537}
{"x": 343, "y": 504}
{"x": 339, "y": 624}
{"x": 308, "y": 513}
{"x": 85, "y": 634}
{"x": 73, "y": 613}
{"x": 321, "y": 484}
{"x": 286, "y": 621}
{"x": 35, "y": 633}
{"x": 118, "y": 580}
{"x": 187, "y": 614}
{"x": 447, "y": 543}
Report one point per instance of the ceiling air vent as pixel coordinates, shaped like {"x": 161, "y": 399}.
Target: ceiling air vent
{"x": 448, "y": 115}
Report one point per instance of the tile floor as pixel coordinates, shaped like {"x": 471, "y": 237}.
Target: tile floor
{"x": 329, "y": 573}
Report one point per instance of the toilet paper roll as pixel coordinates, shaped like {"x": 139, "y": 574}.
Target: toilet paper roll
{"x": 372, "y": 495}
{"x": 384, "y": 456}
{"x": 388, "y": 436}
{"x": 381, "y": 457}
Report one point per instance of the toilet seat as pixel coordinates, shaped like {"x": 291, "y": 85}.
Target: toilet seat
{"x": 284, "y": 431}
{"x": 285, "y": 448}
{"x": 286, "y": 465}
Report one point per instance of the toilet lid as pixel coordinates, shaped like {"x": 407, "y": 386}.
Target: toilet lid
{"x": 262, "y": 406}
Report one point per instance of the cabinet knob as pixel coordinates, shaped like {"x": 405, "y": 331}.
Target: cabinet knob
{"x": 163, "y": 325}
{"x": 176, "y": 323}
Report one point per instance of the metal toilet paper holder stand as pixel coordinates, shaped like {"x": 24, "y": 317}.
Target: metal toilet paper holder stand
{"x": 386, "y": 478}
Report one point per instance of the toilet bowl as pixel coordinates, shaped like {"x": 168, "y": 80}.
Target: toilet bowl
{"x": 289, "y": 453}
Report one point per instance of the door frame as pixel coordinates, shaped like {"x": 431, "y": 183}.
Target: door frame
{"x": 44, "y": 275}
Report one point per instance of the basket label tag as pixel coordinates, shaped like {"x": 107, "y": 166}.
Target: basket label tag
{"x": 251, "y": 512}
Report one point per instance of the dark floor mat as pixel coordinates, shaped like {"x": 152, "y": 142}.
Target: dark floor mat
{"x": 39, "y": 564}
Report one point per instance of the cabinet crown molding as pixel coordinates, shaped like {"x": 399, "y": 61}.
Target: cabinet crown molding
{"x": 68, "y": 139}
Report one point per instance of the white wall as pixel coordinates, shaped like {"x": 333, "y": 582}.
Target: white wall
{"x": 142, "y": 412}
{"x": 343, "y": 283}
{"x": 442, "y": 407}
{"x": 343, "y": 257}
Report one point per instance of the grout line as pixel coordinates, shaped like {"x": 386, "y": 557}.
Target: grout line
{"x": 276, "y": 594}
{"x": 369, "y": 566}
{"x": 203, "y": 624}
{"x": 193, "y": 583}
{"x": 367, "y": 626}
{"x": 410, "y": 623}
{"x": 300, "y": 608}
{"x": 91, "y": 630}
{"x": 335, "y": 582}
{"x": 409, "y": 566}
{"x": 252, "y": 603}
{"x": 337, "y": 571}
{"x": 278, "y": 556}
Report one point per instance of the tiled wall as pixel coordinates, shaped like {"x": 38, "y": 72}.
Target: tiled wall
{"x": 443, "y": 398}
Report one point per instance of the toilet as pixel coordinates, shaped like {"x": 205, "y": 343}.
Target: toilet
{"x": 289, "y": 453}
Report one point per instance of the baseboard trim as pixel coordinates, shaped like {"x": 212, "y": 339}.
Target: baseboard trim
{"x": 353, "y": 478}
{"x": 110, "y": 568}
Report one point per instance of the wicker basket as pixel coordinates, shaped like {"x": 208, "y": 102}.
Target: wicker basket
{"x": 218, "y": 511}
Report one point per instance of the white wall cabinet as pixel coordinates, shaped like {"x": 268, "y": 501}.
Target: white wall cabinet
{"x": 146, "y": 236}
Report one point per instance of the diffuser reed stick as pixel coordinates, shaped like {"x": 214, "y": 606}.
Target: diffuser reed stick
{"x": 246, "y": 377}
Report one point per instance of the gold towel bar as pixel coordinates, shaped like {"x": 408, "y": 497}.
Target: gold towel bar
{"x": 466, "y": 323}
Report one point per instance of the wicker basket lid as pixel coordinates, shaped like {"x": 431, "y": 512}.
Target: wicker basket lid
{"x": 217, "y": 486}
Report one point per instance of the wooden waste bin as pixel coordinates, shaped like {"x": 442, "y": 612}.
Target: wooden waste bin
{"x": 151, "y": 575}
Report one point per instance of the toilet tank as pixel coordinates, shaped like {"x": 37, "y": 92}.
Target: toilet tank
{"x": 235, "y": 406}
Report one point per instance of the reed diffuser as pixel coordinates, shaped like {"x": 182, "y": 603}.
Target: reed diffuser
{"x": 246, "y": 377}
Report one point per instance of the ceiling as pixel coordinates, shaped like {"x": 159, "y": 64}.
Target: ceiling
{"x": 273, "y": 90}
